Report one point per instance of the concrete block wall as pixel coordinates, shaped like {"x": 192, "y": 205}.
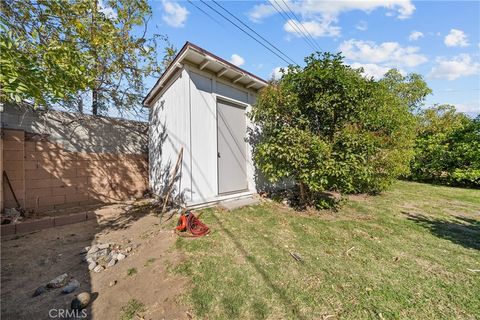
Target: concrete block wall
{"x": 47, "y": 175}
{"x": 77, "y": 132}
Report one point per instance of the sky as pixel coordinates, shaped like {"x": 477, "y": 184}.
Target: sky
{"x": 438, "y": 39}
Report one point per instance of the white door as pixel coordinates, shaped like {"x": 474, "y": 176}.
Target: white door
{"x": 231, "y": 145}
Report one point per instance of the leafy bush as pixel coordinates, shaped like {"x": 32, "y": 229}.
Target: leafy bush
{"x": 328, "y": 128}
{"x": 447, "y": 148}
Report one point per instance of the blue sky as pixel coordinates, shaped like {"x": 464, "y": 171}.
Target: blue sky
{"x": 438, "y": 39}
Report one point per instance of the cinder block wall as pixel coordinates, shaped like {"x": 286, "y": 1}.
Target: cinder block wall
{"x": 57, "y": 160}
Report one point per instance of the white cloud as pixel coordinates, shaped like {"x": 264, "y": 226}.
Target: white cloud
{"x": 175, "y": 15}
{"x": 362, "y": 25}
{"x": 322, "y": 16}
{"x": 106, "y": 10}
{"x": 415, "y": 35}
{"x": 373, "y": 70}
{"x": 237, "y": 60}
{"x": 403, "y": 8}
{"x": 456, "y": 67}
{"x": 456, "y": 38}
{"x": 470, "y": 108}
{"x": 276, "y": 73}
{"x": 390, "y": 54}
{"x": 316, "y": 29}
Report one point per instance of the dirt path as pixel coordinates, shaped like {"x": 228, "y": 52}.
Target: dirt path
{"x": 31, "y": 260}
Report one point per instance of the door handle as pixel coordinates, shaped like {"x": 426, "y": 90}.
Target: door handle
{"x": 218, "y": 154}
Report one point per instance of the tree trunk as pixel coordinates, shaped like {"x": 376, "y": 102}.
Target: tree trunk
{"x": 95, "y": 56}
{"x": 94, "y": 102}
{"x": 303, "y": 196}
{"x": 80, "y": 105}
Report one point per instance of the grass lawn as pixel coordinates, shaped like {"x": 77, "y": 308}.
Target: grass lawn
{"x": 404, "y": 254}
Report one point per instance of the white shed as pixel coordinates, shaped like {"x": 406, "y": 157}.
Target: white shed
{"x": 200, "y": 103}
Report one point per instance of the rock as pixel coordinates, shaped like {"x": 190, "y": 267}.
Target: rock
{"x": 104, "y": 246}
{"x": 121, "y": 256}
{"x": 103, "y": 252}
{"x": 111, "y": 263}
{"x": 98, "y": 269}
{"x": 40, "y": 290}
{"x": 72, "y": 285}
{"x": 128, "y": 249}
{"x": 112, "y": 283}
{"x": 93, "y": 249}
{"x": 81, "y": 301}
{"x": 85, "y": 250}
{"x": 58, "y": 282}
{"x": 92, "y": 265}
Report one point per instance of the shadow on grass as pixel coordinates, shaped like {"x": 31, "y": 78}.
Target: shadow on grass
{"x": 287, "y": 302}
{"x": 463, "y": 231}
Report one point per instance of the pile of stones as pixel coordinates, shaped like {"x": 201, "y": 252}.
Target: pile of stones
{"x": 102, "y": 256}
{"x": 64, "y": 281}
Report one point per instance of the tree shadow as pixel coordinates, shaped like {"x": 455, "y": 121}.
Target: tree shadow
{"x": 462, "y": 231}
{"x": 280, "y": 292}
{"x": 32, "y": 259}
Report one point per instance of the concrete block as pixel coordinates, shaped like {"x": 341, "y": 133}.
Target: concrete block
{"x": 63, "y": 190}
{"x": 37, "y": 174}
{"x": 78, "y": 197}
{"x": 13, "y": 165}
{"x": 40, "y": 183}
{"x": 14, "y": 174}
{"x": 10, "y": 145}
{"x": 13, "y": 135}
{"x": 31, "y": 165}
{"x": 34, "y": 225}
{"x": 30, "y": 146}
{"x": 76, "y": 181}
{"x": 38, "y": 192}
{"x": 8, "y": 229}
{"x": 10, "y": 120}
{"x": 66, "y": 172}
{"x": 70, "y": 219}
{"x": 239, "y": 203}
{"x": 13, "y": 155}
{"x": 91, "y": 215}
{"x": 46, "y": 146}
{"x": 52, "y": 200}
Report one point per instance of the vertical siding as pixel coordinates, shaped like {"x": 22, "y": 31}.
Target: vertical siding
{"x": 204, "y": 138}
{"x": 169, "y": 132}
{"x": 188, "y": 108}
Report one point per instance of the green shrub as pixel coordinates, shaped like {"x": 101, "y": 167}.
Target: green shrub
{"x": 447, "y": 148}
{"x": 327, "y": 127}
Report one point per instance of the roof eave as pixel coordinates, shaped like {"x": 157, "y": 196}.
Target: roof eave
{"x": 255, "y": 83}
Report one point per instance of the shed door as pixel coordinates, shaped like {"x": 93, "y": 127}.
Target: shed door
{"x": 232, "y": 160}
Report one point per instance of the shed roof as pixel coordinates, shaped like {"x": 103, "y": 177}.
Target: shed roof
{"x": 206, "y": 61}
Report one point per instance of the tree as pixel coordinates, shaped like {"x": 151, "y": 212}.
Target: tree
{"x": 328, "y": 128}
{"x": 103, "y": 53}
{"x": 411, "y": 88}
{"x": 447, "y": 147}
{"x": 39, "y": 60}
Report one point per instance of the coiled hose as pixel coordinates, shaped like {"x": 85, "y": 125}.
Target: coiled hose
{"x": 188, "y": 222}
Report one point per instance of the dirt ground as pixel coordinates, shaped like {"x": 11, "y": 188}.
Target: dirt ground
{"x": 31, "y": 260}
